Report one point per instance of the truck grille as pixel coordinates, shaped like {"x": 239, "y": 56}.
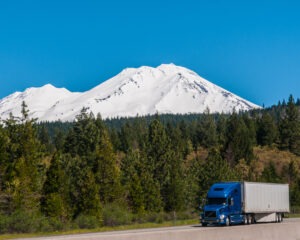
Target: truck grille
{"x": 210, "y": 214}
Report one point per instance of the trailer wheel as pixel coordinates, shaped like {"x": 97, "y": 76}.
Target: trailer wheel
{"x": 253, "y": 221}
{"x": 279, "y": 217}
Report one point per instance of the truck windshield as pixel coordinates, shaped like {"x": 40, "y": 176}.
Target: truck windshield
{"x": 216, "y": 201}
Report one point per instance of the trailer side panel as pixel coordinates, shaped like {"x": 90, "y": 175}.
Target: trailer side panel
{"x": 266, "y": 197}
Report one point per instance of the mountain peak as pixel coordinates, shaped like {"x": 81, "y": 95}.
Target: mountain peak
{"x": 169, "y": 66}
{"x": 135, "y": 91}
{"x": 48, "y": 85}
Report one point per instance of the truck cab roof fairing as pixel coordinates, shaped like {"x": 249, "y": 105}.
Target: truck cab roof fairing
{"x": 222, "y": 189}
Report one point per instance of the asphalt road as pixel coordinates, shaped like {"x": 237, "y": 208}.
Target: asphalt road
{"x": 289, "y": 229}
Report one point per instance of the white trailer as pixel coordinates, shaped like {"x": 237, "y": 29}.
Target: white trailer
{"x": 265, "y": 202}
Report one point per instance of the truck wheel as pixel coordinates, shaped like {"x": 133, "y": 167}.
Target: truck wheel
{"x": 204, "y": 224}
{"x": 278, "y": 217}
{"x": 249, "y": 219}
{"x": 227, "y": 222}
{"x": 244, "y": 219}
{"x": 253, "y": 221}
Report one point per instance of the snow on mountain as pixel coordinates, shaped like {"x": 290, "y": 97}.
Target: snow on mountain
{"x": 39, "y": 101}
{"x": 135, "y": 91}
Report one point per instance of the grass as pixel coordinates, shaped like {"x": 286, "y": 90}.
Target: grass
{"x": 292, "y": 215}
{"x": 104, "y": 229}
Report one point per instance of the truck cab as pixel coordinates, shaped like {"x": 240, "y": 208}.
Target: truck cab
{"x": 223, "y": 205}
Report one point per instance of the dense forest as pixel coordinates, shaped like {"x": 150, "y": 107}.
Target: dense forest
{"x": 94, "y": 172}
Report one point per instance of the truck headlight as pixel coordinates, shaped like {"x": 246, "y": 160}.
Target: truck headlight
{"x": 222, "y": 216}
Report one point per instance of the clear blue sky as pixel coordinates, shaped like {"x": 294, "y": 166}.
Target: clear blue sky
{"x": 251, "y": 48}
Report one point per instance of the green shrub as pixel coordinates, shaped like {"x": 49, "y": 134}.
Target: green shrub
{"x": 157, "y": 217}
{"x": 55, "y": 224}
{"x": 184, "y": 215}
{"x": 87, "y": 222}
{"x": 4, "y": 223}
{"x": 23, "y": 222}
{"x": 160, "y": 217}
{"x": 115, "y": 215}
{"x": 295, "y": 209}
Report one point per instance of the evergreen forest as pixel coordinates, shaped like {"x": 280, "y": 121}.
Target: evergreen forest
{"x": 93, "y": 172}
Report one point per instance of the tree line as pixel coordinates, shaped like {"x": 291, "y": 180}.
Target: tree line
{"x": 94, "y": 172}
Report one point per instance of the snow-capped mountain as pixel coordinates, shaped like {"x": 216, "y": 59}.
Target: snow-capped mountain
{"x": 135, "y": 91}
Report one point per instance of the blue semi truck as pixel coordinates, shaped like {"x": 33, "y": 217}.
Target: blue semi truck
{"x": 245, "y": 202}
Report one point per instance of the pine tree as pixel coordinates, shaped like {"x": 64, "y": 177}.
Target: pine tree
{"x": 251, "y": 137}
{"x": 221, "y": 129}
{"x": 215, "y": 169}
{"x": 136, "y": 195}
{"x": 127, "y": 138}
{"x": 24, "y": 175}
{"x": 207, "y": 130}
{"x": 106, "y": 170}
{"x": 267, "y": 131}
{"x": 151, "y": 190}
{"x": 193, "y": 190}
{"x": 132, "y": 170}
{"x": 185, "y": 138}
{"x": 84, "y": 191}
{"x": 159, "y": 151}
{"x": 290, "y": 128}
{"x": 166, "y": 166}
{"x": 59, "y": 139}
{"x": 44, "y": 139}
{"x": 4, "y": 162}
{"x": 240, "y": 140}
{"x": 174, "y": 189}
{"x": 55, "y": 202}
{"x": 295, "y": 193}
{"x": 83, "y": 137}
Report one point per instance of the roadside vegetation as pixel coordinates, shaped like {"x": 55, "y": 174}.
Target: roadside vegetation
{"x": 103, "y": 229}
{"x": 96, "y": 174}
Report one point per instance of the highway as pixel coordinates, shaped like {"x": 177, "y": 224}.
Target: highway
{"x": 287, "y": 230}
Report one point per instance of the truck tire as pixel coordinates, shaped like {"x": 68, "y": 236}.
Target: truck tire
{"x": 279, "y": 217}
{"x": 227, "y": 222}
{"x": 204, "y": 224}
{"x": 244, "y": 220}
{"x": 249, "y": 219}
{"x": 253, "y": 220}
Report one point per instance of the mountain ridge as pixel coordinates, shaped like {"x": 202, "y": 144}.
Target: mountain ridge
{"x": 134, "y": 91}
